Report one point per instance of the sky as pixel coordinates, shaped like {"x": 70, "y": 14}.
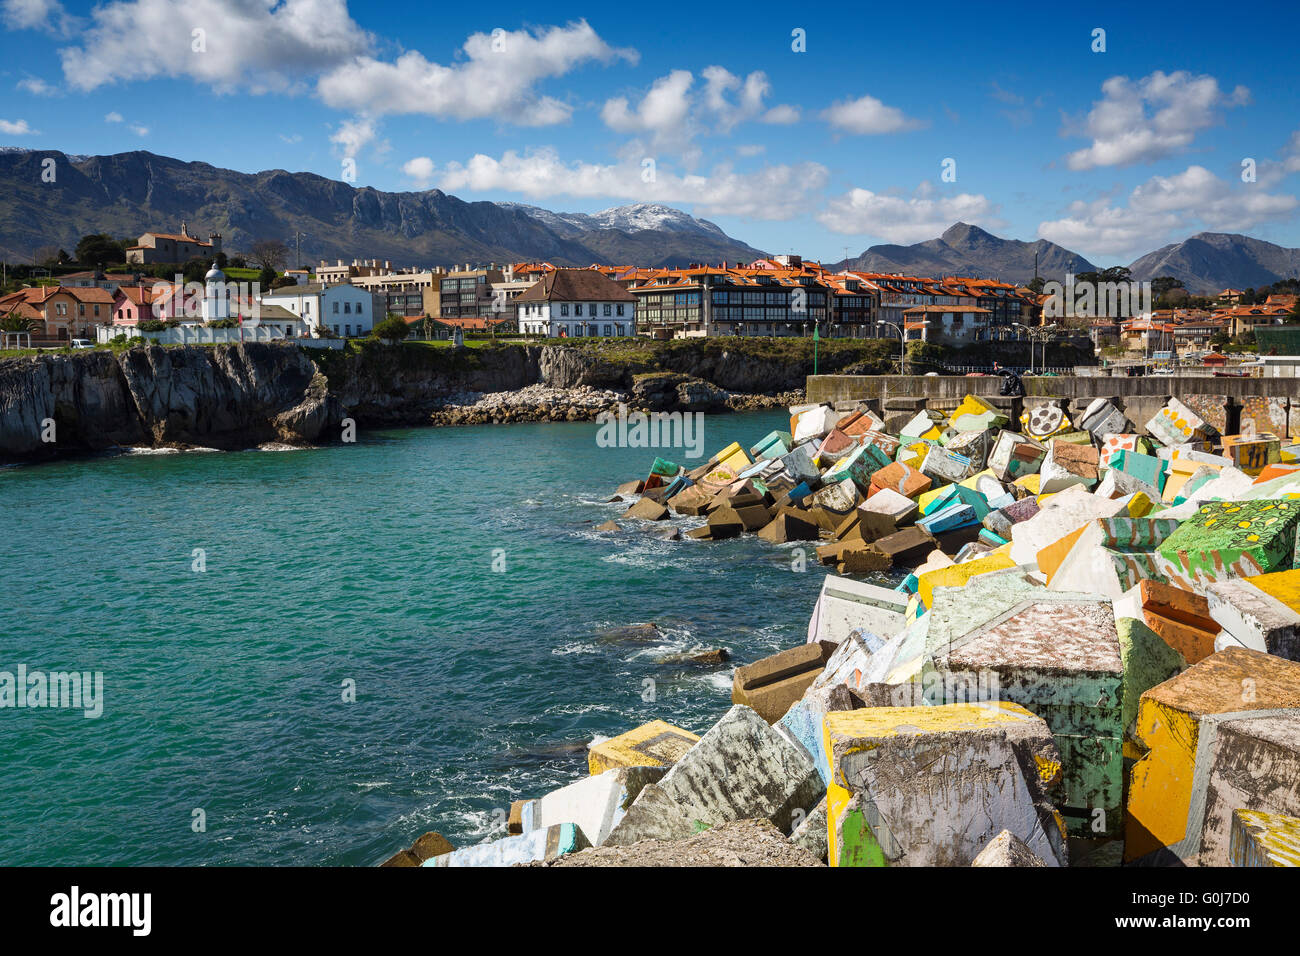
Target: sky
{"x": 815, "y": 129}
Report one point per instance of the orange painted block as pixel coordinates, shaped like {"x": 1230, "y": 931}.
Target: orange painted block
{"x": 904, "y": 479}
{"x": 1179, "y": 618}
{"x": 1053, "y": 556}
{"x": 1276, "y": 471}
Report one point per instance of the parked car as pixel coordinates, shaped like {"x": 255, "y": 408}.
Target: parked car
{"x": 81, "y": 344}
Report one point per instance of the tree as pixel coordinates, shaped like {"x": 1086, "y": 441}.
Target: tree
{"x": 13, "y": 322}
{"x": 269, "y": 253}
{"x": 1219, "y": 339}
{"x": 392, "y": 329}
{"x": 1036, "y": 284}
{"x": 1293, "y": 317}
{"x": 266, "y": 278}
{"x": 99, "y": 249}
{"x": 50, "y": 256}
{"x": 196, "y": 269}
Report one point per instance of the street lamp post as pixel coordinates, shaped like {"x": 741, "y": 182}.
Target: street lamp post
{"x": 902, "y": 345}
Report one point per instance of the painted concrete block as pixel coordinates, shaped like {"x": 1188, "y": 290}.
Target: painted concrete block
{"x": 972, "y": 445}
{"x": 1231, "y": 539}
{"x": 1176, "y": 423}
{"x": 547, "y": 844}
{"x": 815, "y": 423}
{"x": 943, "y": 466}
{"x": 772, "y": 684}
{"x": 1007, "y": 849}
{"x": 811, "y": 831}
{"x": 903, "y": 479}
{"x": 1261, "y": 415}
{"x": 594, "y": 804}
{"x": 1101, "y": 418}
{"x": 1057, "y": 654}
{"x": 1167, "y": 789}
{"x": 1179, "y": 617}
{"x": 1067, "y": 464}
{"x": 1261, "y": 613}
{"x": 1118, "y": 441}
{"x": 1264, "y": 839}
{"x": 798, "y": 462}
{"x": 1212, "y": 410}
{"x": 1148, "y": 469}
{"x": 1058, "y": 516}
{"x": 932, "y": 786}
{"x": 802, "y": 723}
{"x": 888, "y": 502}
{"x": 1002, "y": 521}
{"x": 1108, "y": 556}
{"x": 743, "y": 769}
{"x": 957, "y": 575}
{"x": 656, "y": 744}
{"x": 974, "y": 414}
{"x": 1015, "y": 455}
{"x": 845, "y": 606}
{"x": 1043, "y": 421}
{"x": 922, "y": 425}
{"x": 1251, "y": 455}
{"x": 772, "y": 445}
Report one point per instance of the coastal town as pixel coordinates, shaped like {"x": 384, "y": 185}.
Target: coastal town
{"x": 778, "y": 296}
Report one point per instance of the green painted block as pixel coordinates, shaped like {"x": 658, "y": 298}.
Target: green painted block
{"x": 1148, "y": 661}
{"x": 1227, "y": 539}
{"x": 855, "y": 840}
{"x": 1146, "y": 468}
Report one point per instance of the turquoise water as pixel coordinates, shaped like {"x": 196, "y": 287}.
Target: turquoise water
{"x": 369, "y": 563}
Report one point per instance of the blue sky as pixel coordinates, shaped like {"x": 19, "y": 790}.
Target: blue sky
{"x": 706, "y": 107}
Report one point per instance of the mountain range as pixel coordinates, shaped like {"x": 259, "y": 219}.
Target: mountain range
{"x": 126, "y": 194}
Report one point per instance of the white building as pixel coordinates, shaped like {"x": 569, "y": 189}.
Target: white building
{"x": 576, "y": 303}
{"x": 343, "y": 309}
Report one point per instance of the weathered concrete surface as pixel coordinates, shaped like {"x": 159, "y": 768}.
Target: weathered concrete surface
{"x": 740, "y": 769}
{"x": 1007, "y": 849}
{"x": 741, "y": 843}
{"x": 1264, "y": 839}
{"x": 1110, "y": 556}
{"x": 426, "y": 847}
{"x": 811, "y": 832}
{"x": 656, "y": 744}
{"x": 1261, "y": 613}
{"x": 1058, "y": 654}
{"x": 934, "y": 785}
{"x": 772, "y": 684}
{"x": 1178, "y": 724}
{"x": 545, "y": 844}
{"x": 845, "y": 606}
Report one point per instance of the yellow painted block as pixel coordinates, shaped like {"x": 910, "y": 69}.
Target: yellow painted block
{"x": 1053, "y": 556}
{"x": 1160, "y": 789}
{"x": 1030, "y": 483}
{"x": 1000, "y": 549}
{"x": 1043, "y": 499}
{"x": 891, "y": 721}
{"x": 656, "y": 744}
{"x": 733, "y": 457}
{"x": 956, "y": 575}
{"x": 926, "y": 497}
{"x": 973, "y": 481}
{"x": 1274, "y": 838}
{"x": 837, "y": 798}
{"x": 1138, "y": 505}
{"x": 1283, "y": 586}
{"x": 934, "y": 434}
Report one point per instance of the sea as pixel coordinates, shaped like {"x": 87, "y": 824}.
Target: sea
{"x": 313, "y": 656}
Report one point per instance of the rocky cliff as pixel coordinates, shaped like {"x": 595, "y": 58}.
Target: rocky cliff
{"x": 227, "y": 397}
{"x": 240, "y": 396}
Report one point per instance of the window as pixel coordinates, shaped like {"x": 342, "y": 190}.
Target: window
{"x": 564, "y": 308}
{"x": 347, "y": 330}
{"x": 81, "y": 309}
{"x": 607, "y": 330}
{"x": 608, "y": 310}
{"x": 336, "y": 329}
{"x": 347, "y": 308}
{"x": 336, "y": 308}
{"x": 620, "y": 309}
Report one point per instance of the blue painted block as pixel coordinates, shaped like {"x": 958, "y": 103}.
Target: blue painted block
{"x": 958, "y": 515}
{"x": 547, "y": 844}
{"x": 772, "y": 445}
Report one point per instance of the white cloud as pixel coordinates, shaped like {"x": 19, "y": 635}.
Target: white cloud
{"x": 353, "y": 134}
{"x": 113, "y": 117}
{"x": 772, "y": 192}
{"x": 420, "y": 170}
{"x": 867, "y": 116}
{"x": 1157, "y": 116}
{"x": 37, "y": 87}
{"x": 1165, "y": 208}
{"x": 1271, "y": 172}
{"x": 497, "y": 80}
{"x": 258, "y": 45}
{"x": 291, "y": 138}
{"x": 751, "y": 149}
{"x": 139, "y": 130}
{"x": 672, "y": 114}
{"x": 905, "y": 219}
{"x": 664, "y": 112}
{"x": 17, "y": 128}
{"x": 47, "y": 15}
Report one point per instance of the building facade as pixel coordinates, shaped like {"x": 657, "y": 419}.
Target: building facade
{"x": 576, "y": 303}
